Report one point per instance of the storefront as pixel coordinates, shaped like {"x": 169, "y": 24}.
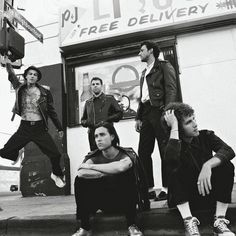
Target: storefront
{"x": 102, "y": 39}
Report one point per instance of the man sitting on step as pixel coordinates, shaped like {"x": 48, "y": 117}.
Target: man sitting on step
{"x": 109, "y": 180}
{"x": 200, "y": 171}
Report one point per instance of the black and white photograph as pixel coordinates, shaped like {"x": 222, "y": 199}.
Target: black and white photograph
{"x": 117, "y": 117}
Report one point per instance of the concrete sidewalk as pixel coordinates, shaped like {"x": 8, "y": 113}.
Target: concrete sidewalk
{"x": 55, "y": 215}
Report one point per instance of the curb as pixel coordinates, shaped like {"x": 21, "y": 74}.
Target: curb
{"x": 153, "y": 223}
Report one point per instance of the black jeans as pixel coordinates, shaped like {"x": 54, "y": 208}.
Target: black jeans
{"x": 105, "y": 194}
{"x": 35, "y": 132}
{"x": 183, "y": 187}
{"x": 151, "y": 130}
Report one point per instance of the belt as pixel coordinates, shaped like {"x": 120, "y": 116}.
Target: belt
{"x": 147, "y": 104}
{"x": 31, "y": 123}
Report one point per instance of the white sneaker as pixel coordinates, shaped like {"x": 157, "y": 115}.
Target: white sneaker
{"x": 220, "y": 227}
{"x": 82, "y": 232}
{"x": 58, "y": 181}
{"x": 134, "y": 231}
{"x": 191, "y": 226}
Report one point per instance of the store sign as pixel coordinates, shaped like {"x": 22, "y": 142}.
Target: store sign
{"x": 97, "y": 19}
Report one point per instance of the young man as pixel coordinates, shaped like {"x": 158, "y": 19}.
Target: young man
{"x": 34, "y": 104}
{"x": 109, "y": 179}
{"x": 99, "y": 108}
{"x": 157, "y": 89}
{"x": 200, "y": 172}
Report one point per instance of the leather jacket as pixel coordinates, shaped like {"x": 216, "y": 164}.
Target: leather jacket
{"x": 140, "y": 176}
{"x": 110, "y": 111}
{"x": 162, "y": 86}
{"x": 45, "y": 102}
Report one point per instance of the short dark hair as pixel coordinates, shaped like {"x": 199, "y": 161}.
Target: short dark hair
{"x": 35, "y": 69}
{"x": 181, "y": 111}
{"x": 152, "y": 45}
{"x": 97, "y": 78}
{"x": 111, "y": 130}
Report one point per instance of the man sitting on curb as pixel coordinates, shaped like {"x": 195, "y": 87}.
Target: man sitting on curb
{"x": 197, "y": 177}
{"x": 109, "y": 179}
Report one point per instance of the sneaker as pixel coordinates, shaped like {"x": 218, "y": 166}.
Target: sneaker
{"x": 58, "y": 181}
{"x": 21, "y": 151}
{"x": 220, "y": 227}
{"x": 134, "y": 231}
{"x": 161, "y": 196}
{"x": 190, "y": 224}
{"x": 82, "y": 232}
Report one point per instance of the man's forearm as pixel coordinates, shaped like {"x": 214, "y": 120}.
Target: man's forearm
{"x": 170, "y": 84}
{"x": 113, "y": 167}
{"x": 213, "y": 162}
{"x": 89, "y": 174}
{"x": 12, "y": 76}
{"x": 115, "y": 117}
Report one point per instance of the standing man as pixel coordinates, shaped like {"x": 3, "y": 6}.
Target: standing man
{"x": 201, "y": 175}
{"x": 99, "y": 108}
{"x": 157, "y": 88}
{"x": 34, "y": 104}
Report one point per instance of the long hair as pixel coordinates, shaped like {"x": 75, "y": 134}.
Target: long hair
{"x": 111, "y": 130}
{"x": 181, "y": 111}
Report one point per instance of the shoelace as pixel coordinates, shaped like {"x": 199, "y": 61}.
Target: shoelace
{"x": 221, "y": 224}
{"x": 191, "y": 226}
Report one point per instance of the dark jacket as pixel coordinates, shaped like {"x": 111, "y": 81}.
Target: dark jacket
{"x": 140, "y": 177}
{"x": 45, "y": 102}
{"x": 110, "y": 111}
{"x": 193, "y": 155}
{"x": 162, "y": 86}
{"x": 184, "y": 162}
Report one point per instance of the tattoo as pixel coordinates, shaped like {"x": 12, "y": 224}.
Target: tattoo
{"x": 29, "y": 104}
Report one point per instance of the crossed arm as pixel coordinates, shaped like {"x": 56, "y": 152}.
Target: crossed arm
{"x": 89, "y": 170}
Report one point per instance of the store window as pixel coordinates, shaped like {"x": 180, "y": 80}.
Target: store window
{"x": 120, "y": 71}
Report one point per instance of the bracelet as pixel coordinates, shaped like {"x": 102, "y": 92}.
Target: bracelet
{"x": 173, "y": 130}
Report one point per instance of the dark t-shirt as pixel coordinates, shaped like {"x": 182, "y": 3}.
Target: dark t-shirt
{"x": 100, "y": 159}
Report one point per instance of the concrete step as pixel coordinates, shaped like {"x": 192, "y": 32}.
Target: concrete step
{"x": 157, "y": 221}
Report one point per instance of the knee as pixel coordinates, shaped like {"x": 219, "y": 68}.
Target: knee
{"x": 78, "y": 182}
{"x": 226, "y": 170}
